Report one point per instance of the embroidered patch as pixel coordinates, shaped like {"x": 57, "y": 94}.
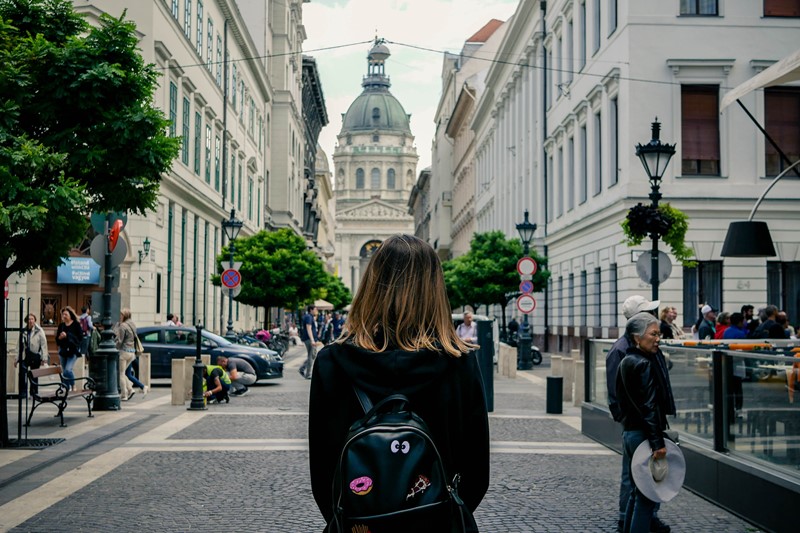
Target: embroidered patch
{"x": 361, "y": 485}
{"x": 398, "y": 446}
{"x": 360, "y": 528}
{"x": 418, "y": 487}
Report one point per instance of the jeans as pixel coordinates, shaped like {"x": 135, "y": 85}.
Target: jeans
{"x": 640, "y": 510}
{"x": 67, "y": 364}
{"x": 311, "y": 354}
{"x": 625, "y": 484}
{"x": 131, "y": 376}
{"x": 243, "y": 382}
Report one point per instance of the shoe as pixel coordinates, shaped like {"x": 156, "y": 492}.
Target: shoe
{"x": 302, "y": 372}
{"x": 227, "y": 399}
{"x": 657, "y": 526}
{"x": 241, "y": 392}
{"x": 131, "y": 394}
{"x": 145, "y": 390}
{"x": 308, "y": 377}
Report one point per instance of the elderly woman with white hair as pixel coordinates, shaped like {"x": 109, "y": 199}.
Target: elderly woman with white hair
{"x": 645, "y": 398}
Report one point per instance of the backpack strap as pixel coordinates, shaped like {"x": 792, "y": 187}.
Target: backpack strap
{"x": 363, "y": 399}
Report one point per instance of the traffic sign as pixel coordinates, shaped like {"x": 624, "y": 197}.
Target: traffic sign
{"x": 526, "y": 287}
{"x": 526, "y": 266}
{"x": 526, "y": 304}
{"x": 231, "y": 278}
{"x": 6, "y": 291}
{"x": 233, "y": 293}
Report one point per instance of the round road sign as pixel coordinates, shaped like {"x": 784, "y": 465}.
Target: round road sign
{"x": 526, "y": 266}
{"x": 6, "y": 290}
{"x": 526, "y": 304}
{"x": 231, "y": 278}
{"x": 526, "y": 287}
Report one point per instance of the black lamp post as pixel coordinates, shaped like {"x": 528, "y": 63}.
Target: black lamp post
{"x": 104, "y": 364}
{"x": 524, "y": 341}
{"x": 198, "y": 402}
{"x": 655, "y": 157}
{"x": 232, "y": 227}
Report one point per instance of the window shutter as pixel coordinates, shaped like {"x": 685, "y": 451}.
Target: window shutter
{"x": 700, "y": 122}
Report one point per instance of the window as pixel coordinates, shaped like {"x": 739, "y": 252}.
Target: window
{"x": 584, "y": 299}
{"x": 612, "y": 16}
{"x": 612, "y": 288}
{"x": 570, "y": 298}
{"x": 199, "y": 34}
{"x": 598, "y": 298}
{"x": 613, "y": 138}
{"x": 175, "y": 9}
{"x": 390, "y": 179}
{"x": 250, "y": 197}
{"x": 782, "y": 121}
{"x": 700, "y": 129}
{"x": 559, "y": 303}
{"x": 783, "y": 287}
{"x": 560, "y": 185}
{"x": 582, "y": 37}
{"x": 360, "y": 178}
{"x": 699, "y": 7}
{"x": 598, "y": 154}
{"x": 375, "y": 179}
{"x": 701, "y": 285}
{"x": 219, "y": 60}
{"x": 233, "y": 85}
{"x": 376, "y": 138}
{"x": 217, "y": 165}
{"x": 260, "y": 128}
{"x": 583, "y": 185}
{"x": 569, "y": 59}
{"x": 198, "y": 128}
{"x": 210, "y": 46}
{"x": 596, "y": 26}
{"x": 251, "y": 117}
{"x": 241, "y": 100}
{"x": 173, "y": 109}
{"x": 185, "y": 139}
{"x": 187, "y": 19}
{"x": 559, "y": 65}
{"x": 569, "y": 172}
{"x": 233, "y": 177}
{"x": 548, "y": 78}
{"x": 782, "y": 8}
{"x": 550, "y": 186}
{"x": 239, "y": 198}
{"x": 376, "y": 115}
{"x": 208, "y": 154}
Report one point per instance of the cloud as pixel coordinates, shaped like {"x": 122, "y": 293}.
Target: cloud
{"x": 441, "y": 25}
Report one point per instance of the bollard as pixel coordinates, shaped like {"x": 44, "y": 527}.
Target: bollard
{"x": 569, "y": 377}
{"x": 556, "y": 367}
{"x": 144, "y": 369}
{"x": 580, "y": 384}
{"x": 178, "y": 382}
{"x": 555, "y": 385}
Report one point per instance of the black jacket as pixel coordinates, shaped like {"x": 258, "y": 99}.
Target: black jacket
{"x": 645, "y": 394}
{"x": 615, "y": 356}
{"x": 445, "y": 391}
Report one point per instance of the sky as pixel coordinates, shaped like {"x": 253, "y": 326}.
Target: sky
{"x": 441, "y": 25}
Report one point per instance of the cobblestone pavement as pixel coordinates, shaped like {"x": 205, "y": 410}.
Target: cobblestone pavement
{"x": 242, "y": 466}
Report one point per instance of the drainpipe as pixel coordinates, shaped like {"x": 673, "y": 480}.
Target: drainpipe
{"x": 543, "y": 8}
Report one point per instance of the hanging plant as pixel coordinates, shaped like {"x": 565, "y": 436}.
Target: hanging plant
{"x": 668, "y": 223}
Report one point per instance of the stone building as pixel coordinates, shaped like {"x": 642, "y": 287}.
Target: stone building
{"x": 375, "y": 161}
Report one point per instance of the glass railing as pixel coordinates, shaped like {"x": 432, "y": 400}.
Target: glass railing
{"x": 754, "y": 414}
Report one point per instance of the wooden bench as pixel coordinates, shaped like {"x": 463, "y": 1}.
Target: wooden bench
{"x": 57, "y": 392}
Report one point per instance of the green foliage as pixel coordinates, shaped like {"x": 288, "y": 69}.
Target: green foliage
{"x": 671, "y": 226}
{"x": 78, "y": 131}
{"x": 333, "y": 291}
{"x": 488, "y": 272}
{"x": 277, "y": 269}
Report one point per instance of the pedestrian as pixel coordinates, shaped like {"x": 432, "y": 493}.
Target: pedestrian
{"x": 170, "y": 320}
{"x": 338, "y": 323}
{"x": 645, "y": 400}
{"x": 68, "y": 340}
{"x": 86, "y": 327}
{"x": 32, "y": 350}
{"x": 630, "y": 307}
{"x": 241, "y": 373}
{"x": 218, "y": 383}
{"x": 769, "y": 328}
{"x": 723, "y": 322}
{"x": 467, "y": 331}
{"x": 399, "y": 338}
{"x": 737, "y": 330}
{"x": 310, "y": 338}
{"x": 708, "y": 324}
{"x": 669, "y": 329}
{"x": 125, "y": 331}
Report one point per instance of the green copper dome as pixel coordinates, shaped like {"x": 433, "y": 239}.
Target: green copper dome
{"x": 376, "y": 108}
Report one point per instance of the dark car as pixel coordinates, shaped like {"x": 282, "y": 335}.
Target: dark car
{"x": 165, "y": 343}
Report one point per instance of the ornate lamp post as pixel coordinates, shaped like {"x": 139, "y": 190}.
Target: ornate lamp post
{"x": 655, "y": 157}
{"x": 524, "y": 355}
{"x": 232, "y": 227}
{"x": 198, "y": 402}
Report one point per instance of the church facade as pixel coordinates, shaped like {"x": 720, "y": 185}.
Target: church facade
{"x": 375, "y": 164}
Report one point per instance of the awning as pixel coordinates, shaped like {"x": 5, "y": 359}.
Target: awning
{"x": 322, "y": 305}
{"x": 784, "y": 71}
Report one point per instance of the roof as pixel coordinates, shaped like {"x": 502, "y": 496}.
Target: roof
{"x": 376, "y": 110}
{"x": 483, "y": 34}
{"x": 784, "y": 71}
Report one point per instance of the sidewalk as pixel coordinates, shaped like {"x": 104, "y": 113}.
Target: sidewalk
{"x": 158, "y": 467}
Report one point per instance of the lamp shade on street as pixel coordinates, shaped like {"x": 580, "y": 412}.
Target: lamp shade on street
{"x": 748, "y": 238}
{"x": 655, "y": 155}
{"x": 526, "y": 230}
{"x": 232, "y": 226}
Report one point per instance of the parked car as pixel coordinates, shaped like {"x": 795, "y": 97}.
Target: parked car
{"x": 165, "y": 343}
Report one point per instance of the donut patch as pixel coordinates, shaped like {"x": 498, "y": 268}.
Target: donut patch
{"x": 361, "y": 486}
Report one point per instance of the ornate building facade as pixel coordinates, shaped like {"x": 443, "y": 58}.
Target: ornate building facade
{"x": 375, "y": 162}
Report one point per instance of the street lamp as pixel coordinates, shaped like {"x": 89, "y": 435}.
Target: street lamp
{"x": 655, "y": 157}
{"x": 232, "y": 227}
{"x": 524, "y": 340}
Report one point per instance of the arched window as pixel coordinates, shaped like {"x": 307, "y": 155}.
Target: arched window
{"x": 360, "y": 178}
{"x": 390, "y": 183}
{"x": 376, "y": 115}
{"x": 375, "y": 179}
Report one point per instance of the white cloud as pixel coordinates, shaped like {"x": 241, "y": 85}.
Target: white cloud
{"x": 441, "y": 25}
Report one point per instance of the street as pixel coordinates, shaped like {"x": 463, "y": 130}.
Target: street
{"x": 243, "y": 466}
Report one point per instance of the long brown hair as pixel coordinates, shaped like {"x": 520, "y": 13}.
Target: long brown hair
{"x": 402, "y": 302}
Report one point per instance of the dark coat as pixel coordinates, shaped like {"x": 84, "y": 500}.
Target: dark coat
{"x": 447, "y": 392}
{"x": 645, "y": 394}
{"x": 69, "y": 346}
{"x": 615, "y": 356}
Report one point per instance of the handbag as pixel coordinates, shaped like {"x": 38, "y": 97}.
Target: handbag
{"x": 137, "y": 345}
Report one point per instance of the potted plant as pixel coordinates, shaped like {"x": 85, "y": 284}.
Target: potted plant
{"x": 667, "y": 222}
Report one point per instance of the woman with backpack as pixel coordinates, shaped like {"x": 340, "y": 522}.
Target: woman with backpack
{"x": 399, "y": 352}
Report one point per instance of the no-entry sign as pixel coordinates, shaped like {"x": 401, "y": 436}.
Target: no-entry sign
{"x": 526, "y": 304}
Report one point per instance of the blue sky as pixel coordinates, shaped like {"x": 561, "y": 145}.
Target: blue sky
{"x": 415, "y": 74}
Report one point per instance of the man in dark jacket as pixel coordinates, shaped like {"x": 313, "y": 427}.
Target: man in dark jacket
{"x": 770, "y": 329}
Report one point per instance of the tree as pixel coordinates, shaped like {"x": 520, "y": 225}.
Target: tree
{"x": 277, "y": 269}
{"x": 335, "y": 292}
{"x": 487, "y": 274}
{"x": 78, "y": 133}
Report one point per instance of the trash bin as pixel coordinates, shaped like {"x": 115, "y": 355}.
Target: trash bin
{"x": 555, "y": 391}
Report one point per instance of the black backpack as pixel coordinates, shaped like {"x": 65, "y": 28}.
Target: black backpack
{"x": 390, "y": 476}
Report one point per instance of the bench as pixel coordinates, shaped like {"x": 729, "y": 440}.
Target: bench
{"x": 57, "y": 392}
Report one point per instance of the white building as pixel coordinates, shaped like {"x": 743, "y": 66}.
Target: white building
{"x": 375, "y": 161}
{"x": 576, "y": 88}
